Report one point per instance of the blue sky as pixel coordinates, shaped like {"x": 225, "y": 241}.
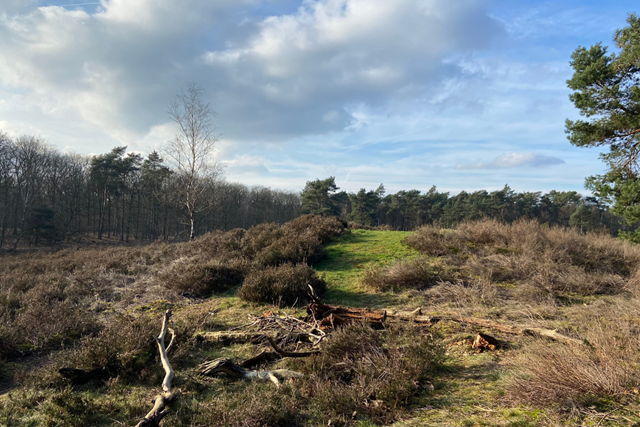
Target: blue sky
{"x": 464, "y": 95}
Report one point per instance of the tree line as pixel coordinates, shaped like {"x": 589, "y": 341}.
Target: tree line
{"x": 407, "y": 210}
{"x": 47, "y": 196}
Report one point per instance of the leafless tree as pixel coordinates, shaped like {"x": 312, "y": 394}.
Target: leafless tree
{"x": 192, "y": 151}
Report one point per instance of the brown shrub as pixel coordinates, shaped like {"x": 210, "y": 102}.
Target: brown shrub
{"x": 544, "y": 262}
{"x": 296, "y": 241}
{"x": 42, "y": 324}
{"x": 45, "y": 298}
{"x": 471, "y": 293}
{"x": 326, "y": 228}
{"x": 372, "y": 373}
{"x": 417, "y": 273}
{"x": 299, "y": 240}
{"x": 305, "y": 248}
{"x": 286, "y": 284}
{"x": 258, "y": 405}
{"x": 198, "y": 277}
{"x": 572, "y": 376}
{"x": 259, "y": 237}
{"x": 218, "y": 244}
{"x": 126, "y": 347}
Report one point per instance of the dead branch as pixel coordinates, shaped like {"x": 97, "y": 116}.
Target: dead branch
{"x": 264, "y": 357}
{"x": 233, "y": 337}
{"x": 417, "y": 317}
{"x": 226, "y": 366}
{"x": 160, "y": 410}
{"x": 552, "y": 334}
{"x": 329, "y": 316}
{"x": 284, "y": 353}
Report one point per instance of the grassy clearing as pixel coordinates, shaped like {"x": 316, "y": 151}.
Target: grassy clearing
{"x": 348, "y": 259}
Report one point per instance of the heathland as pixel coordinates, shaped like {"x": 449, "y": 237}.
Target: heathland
{"x": 562, "y": 306}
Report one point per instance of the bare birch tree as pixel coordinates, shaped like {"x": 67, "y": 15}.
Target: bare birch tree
{"x": 192, "y": 151}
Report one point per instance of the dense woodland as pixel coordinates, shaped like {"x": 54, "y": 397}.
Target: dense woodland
{"x": 48, "y": 197}
{"x": 407, "y": 210}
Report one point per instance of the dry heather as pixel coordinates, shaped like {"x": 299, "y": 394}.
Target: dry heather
{"x": 530, "y": 262}
{"x": 286, "y": 284}
{"x": 570, "y": 377}
{"x": 362, "y": 374}
{"x": 417, "y": 273}
{"x": 49, "y": 300}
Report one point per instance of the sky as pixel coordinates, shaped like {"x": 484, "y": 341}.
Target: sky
{"x": 463, "y": 95}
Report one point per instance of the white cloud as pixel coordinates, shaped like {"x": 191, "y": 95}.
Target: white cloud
{"x": 246, "y": 165}
{"x": 13, "y": 6}
{"x": 513, "y": 160}
{"x": 303, "y": 88}
{"x": 286, "y": 75}
{"x": 331, "y": 54}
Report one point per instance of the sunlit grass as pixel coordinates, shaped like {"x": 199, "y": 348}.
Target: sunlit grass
{"x": 350, "y": 256}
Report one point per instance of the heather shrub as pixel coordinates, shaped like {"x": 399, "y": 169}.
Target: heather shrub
{"x": 68, "y": 408}
{"x": 567, "y": 377}
{"x": 296, "y": 241}
{"x": 470, "y": 293}
{"x": 217, "y": 244}
{"x": 305, "y": 248}
{"x": 41, "y": 324}
{"x": 286, "y": 284}
{"x": 417, "y": 273}
{"x": 258, "y": 405}
{"x": 198, "y": 277}
{"x": 49, "y": 299}
{"x": 126, "y": 347}
{"x": 543, "y": 262}
{"x": 359, "y": 365}
{"x": 259, "y": 237}
{"x": 326, "y": 228}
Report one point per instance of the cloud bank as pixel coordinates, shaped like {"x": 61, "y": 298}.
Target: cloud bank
{"x": 513, "y": 160}
{"x": 376, "y": 90}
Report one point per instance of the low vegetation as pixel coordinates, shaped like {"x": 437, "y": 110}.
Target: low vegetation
{"x": 99, "y": 309}
{"x": 51, "y": 300}
{"x": 529, "y": 261}
{"x": 284, "y": 285}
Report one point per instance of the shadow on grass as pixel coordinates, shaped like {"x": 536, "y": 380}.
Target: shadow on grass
{"x": 340, "y": 257}
{"x": 358, "y": 299}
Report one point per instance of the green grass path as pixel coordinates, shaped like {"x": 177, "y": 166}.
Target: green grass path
{"x": 348, "y": 259}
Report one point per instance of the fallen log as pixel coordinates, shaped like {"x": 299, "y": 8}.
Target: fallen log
{"x": 226, "y": 366}
{"x": 264, "y": 357}
{"x": 239, "y": 337}
{"x": 416, "y": 316}
{"x": 160, "y": 410}
{"x": 284, "y": 353}
{"x": 322, "y": 313}
{"x": 328, "y": 317}
{"x": 552, "y": 334}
